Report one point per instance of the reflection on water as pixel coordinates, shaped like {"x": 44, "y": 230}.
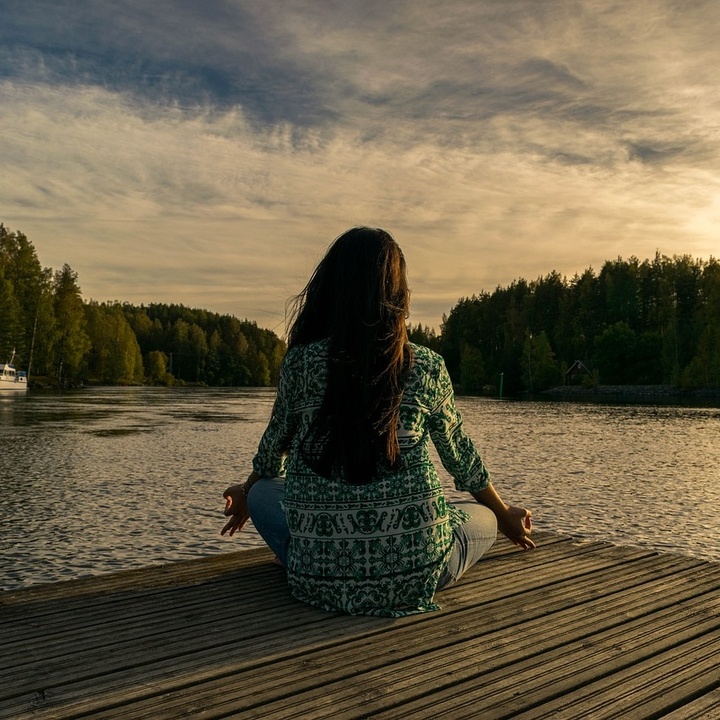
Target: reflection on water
{"x": 98, "y": 480}
{"x": 102, "y": 479}
{"x": 637, "y": 475}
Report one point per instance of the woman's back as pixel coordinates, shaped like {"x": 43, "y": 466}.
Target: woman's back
{"x": 353, "y": 543}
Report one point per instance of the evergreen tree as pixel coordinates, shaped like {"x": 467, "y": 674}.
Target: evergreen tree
{"x": 472, "y": 370}
{"x": 11, "y": 319}
{"x": 198, "y": 349}
{"x": 27, "y": 318}
{"x": 72, "y": 343}
{"x": 704, "y": 368}
{"x": 424, "y": 335}
{"x": 540, "y": 371}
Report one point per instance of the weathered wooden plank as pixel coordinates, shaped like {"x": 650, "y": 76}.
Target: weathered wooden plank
{"x": 156, "y": 576}
{"x": 704, "y": 707}
{"x": 225, "y": 639}
{"x": 37, "y": 629}
{"x": 72, "y": 636}
{"x": 68, "y": 624}
{"x": 151, "y": 614}
{"x": 463, "y": 683}
{"x": 404, "y": 709}
{"x": 659, "y": 679}
{"x": 321, "y": 673}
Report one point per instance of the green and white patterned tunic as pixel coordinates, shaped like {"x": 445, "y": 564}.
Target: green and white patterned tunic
{"x": 378, "y": 548}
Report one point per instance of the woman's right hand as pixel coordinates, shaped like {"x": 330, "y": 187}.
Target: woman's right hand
{"x": 236, "y": 508}
{"x": 515, "y": 523}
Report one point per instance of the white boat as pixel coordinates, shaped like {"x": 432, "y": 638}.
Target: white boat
{"x": 12, "y": 380}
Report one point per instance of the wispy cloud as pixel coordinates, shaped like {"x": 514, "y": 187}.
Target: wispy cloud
{"x": 207, "y": 153}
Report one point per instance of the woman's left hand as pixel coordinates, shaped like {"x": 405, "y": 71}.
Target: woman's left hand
{"x": 515, "y": 523}
{"x": 235, "y": 507}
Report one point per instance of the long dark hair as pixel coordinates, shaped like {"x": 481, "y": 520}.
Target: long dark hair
{"x": 357, "y": 299}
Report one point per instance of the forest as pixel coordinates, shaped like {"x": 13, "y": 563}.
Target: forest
{"x": 650, "y": 322}
{"x": 61, "y": 340}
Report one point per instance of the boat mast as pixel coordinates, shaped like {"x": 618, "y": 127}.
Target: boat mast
{"x": 32, "y": 343}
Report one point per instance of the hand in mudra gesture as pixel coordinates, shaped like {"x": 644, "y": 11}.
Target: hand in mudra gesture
{"x": 516, "y": 525}
{"x": 236, "y": 508}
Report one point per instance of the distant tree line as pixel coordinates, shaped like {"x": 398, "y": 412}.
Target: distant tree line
{"x": 650, "y": 322}
{"x": 58, "y": 336}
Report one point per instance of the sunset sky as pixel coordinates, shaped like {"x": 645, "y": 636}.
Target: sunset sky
{"x": 206, "y": 152}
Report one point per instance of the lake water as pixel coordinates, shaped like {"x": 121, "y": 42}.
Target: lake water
{"x": 98, "y": 480}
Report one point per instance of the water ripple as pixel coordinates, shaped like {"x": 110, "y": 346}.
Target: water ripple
{"x": 112, "y": 478}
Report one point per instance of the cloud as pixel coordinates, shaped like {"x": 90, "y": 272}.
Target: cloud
{"x": 187, "y": 54}
{"x": 208, "y": 153}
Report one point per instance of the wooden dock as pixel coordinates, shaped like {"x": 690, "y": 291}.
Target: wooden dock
{"x": 572, "y": 630}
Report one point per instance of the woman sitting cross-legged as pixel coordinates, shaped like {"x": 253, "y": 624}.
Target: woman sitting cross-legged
{"x": 343, "y": 488}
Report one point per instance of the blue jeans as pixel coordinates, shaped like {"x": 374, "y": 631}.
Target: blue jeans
{"x": 266, "y": 512}
{"x": 472, "y": 539}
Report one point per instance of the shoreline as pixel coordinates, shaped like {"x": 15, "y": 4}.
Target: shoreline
{"x": 634, "y": 392}
{"x": 667, "y": 394}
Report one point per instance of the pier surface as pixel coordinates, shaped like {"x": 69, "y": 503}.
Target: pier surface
{"x": 572, "y": 630}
